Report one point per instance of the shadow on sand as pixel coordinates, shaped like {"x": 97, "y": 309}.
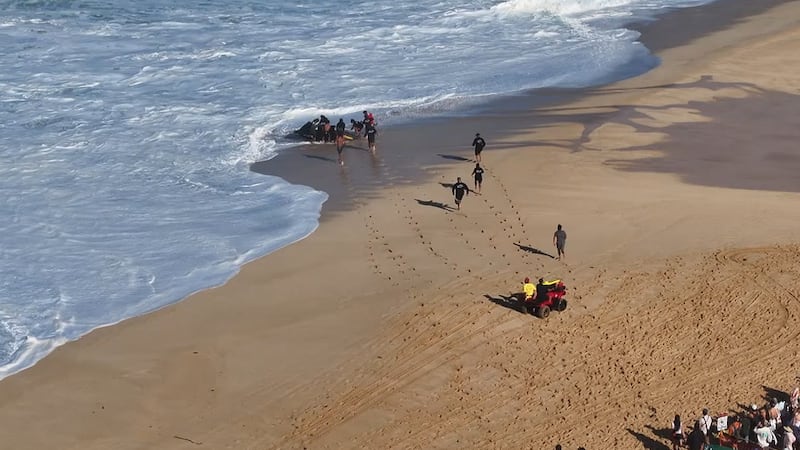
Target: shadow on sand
{"x": 507, "y": 301}
{"x": 322, "y": 158}
{"x": 439, "y": 205}
{"x": 535, "y": 251}
{"x": 647, "y": 441}
{"x": 453, "y": 157}
{"x": 664, "y": 433}
{"x": 777, "y": 394}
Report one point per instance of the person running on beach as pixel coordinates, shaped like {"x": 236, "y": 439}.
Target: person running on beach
{"x": 370, "y": 132}
{"x": 478, "y": 143}
{"x": 477, "y": 173}
{"x": 340, "y": 127}
{"x": 560, "y": 240}
{"x": 459, "y": 190}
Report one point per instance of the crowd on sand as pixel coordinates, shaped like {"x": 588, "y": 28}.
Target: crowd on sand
{"x": 773, "y": 425}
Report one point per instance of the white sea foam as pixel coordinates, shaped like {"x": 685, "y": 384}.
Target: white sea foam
{"x": 558, "y": 7}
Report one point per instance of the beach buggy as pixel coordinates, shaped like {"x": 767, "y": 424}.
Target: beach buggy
{"x": 547, "y": 296}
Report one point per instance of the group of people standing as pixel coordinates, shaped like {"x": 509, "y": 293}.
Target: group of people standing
{"x": 776, "y": 425}
{"x": 368, "y": 126}
{"x": 321, "y": 130}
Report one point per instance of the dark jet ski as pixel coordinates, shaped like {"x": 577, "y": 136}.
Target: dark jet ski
{"x": 307, "y": 132}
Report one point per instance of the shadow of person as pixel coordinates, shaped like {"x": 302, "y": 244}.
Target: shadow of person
{"x": 772, "y": 393}
{"x": 508, "y": 301}
{"x": 535, "y": 251}
{"x": 322, "y": 158}
{"x": 439, "y": 205}
{"x": 453, "y": 157}
{"x": 647, "y": 441}
{"x": 665, "y": 433}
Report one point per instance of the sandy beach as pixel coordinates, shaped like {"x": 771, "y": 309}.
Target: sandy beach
{"x": 392, "y": 326}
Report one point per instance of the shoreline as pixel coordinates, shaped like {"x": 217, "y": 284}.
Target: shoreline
{"x": 225, "y": 360}
{"x": 514, "y": 109}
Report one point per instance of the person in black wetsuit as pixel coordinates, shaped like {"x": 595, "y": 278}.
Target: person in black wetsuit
{"x": 459, "y": 190}
{"x": 560, "y": 240}
{"x": 478, "y": 143}
{"x": 541, "y": 291}
{"x": 340, "y": 127}
{"x": 477, "y": 173}
{"x": 356, "y": 128}
{"x": 370, "y": 131}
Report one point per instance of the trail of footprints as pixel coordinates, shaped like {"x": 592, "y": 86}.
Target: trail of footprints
{"x": 418, "y": 348}
{"x": 436, "y": 334}
{"x": 638, "y": 304}
{"x": 442, "y": 330}
{"x": 440, "y": 339}
{"x": 380, "y": 247}
{"x": 499, "y": 255}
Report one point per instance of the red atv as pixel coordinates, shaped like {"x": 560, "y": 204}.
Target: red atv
{"x": 549, "y": 296}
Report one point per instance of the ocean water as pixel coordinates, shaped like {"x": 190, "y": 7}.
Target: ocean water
{"x": 127, "y": 128}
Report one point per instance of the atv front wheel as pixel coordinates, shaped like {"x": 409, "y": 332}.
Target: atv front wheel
{"x": 562, "y": 305}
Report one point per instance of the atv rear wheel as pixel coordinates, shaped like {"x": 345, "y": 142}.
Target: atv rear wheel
{"x": 543, "y": 312}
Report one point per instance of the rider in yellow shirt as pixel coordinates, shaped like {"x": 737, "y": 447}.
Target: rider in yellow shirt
{"x": 528, "y": 288}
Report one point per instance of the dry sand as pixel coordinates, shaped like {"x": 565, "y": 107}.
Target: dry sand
{"x": 390, "y": 327}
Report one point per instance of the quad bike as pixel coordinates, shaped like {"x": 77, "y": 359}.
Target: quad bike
{"x": 550, "y": 299}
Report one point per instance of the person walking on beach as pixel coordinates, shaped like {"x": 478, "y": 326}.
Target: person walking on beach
{"x": 459, "y": 190}
{"x": 478, "y": 143}
{"x": 370, "y": 132}
{"x": 340, "y": 127}
{"x": 477, "y": 173}
{"x": 560, "y": 240}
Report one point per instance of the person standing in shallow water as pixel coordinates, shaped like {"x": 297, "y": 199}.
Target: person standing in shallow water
{"x": 340, "y": 128}
{"x": 477, "y": 173}
{"x": 370, "y": 132}
{"x": 325, "y": 125}
{"x": 356, "y": 128}
{"x": 560, "y": 240}
{"x": 459, "y": 190}
{"x": 478, "y": 143}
